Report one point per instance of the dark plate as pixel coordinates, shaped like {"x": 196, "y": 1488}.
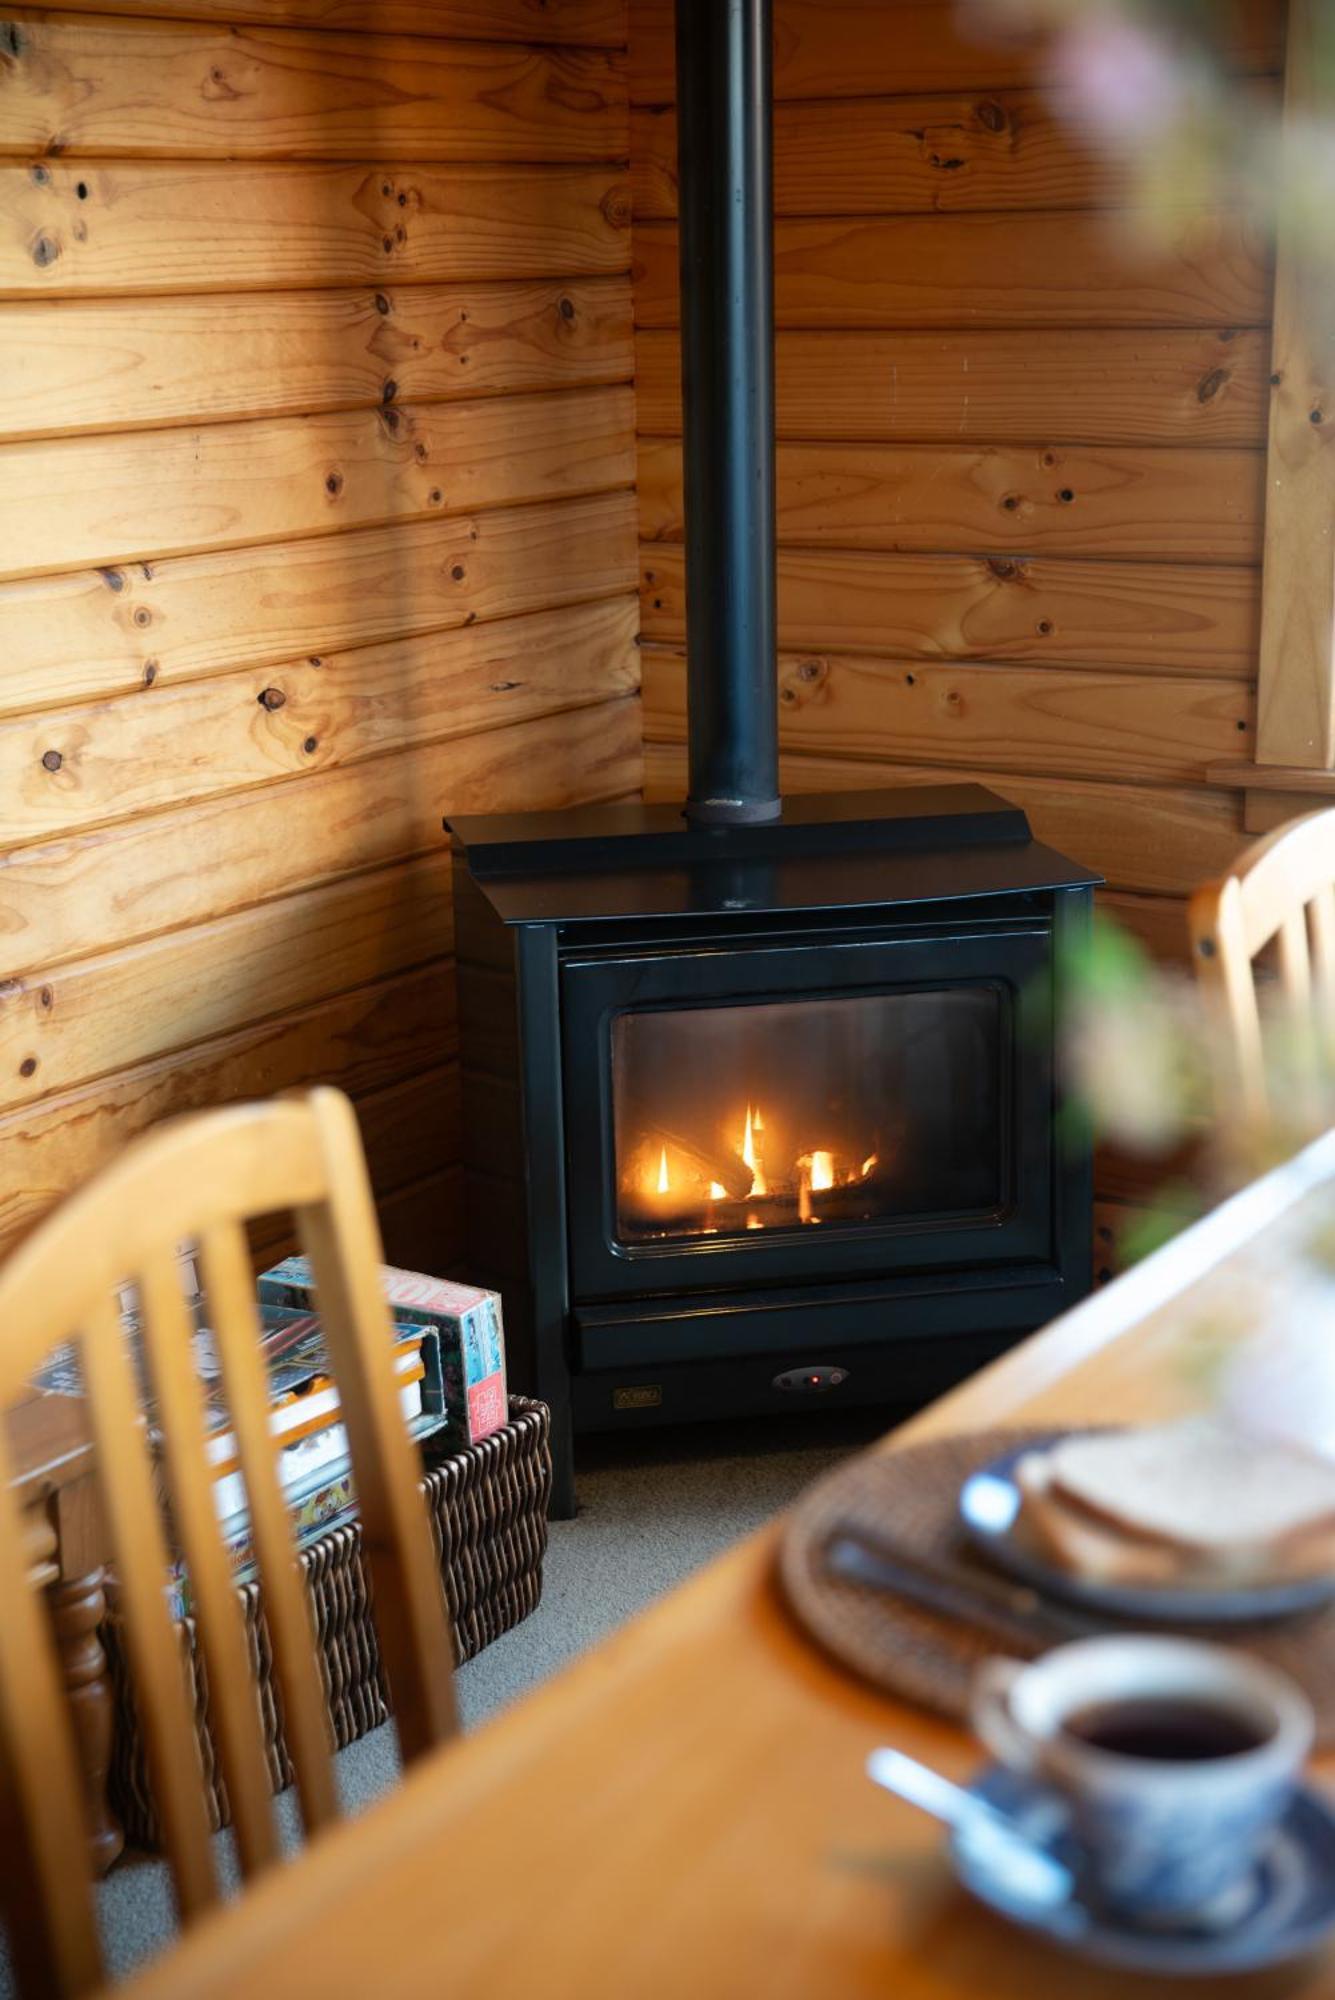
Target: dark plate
{"x": 989, "y": 1505}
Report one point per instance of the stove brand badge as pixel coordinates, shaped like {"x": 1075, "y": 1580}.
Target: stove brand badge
{"x": 643, "y": 1396}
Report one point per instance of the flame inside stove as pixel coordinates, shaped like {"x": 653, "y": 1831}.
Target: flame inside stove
{"x": 751, "y": 1151}
{"x": 780, "y": 1191}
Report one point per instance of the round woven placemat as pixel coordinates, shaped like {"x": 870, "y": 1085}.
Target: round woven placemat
{"x": 908, "y": 1498}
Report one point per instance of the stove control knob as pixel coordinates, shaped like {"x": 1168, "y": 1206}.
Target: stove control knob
{"x": 814, "y": 1381}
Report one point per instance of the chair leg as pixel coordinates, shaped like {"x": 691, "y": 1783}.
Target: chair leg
{"x": 78, "y": 1606}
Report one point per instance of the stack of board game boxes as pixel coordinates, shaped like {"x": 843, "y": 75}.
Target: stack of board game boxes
{"x": 485, "y": 1479}
{"x": 449, "y": 1364}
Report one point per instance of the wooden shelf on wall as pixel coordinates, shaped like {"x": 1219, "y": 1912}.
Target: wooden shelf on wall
{"x": 1274, "y": 793}
{"x": 1273, "y": 778}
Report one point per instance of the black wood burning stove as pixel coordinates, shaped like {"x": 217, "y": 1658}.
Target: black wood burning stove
{"x": 760, "y": 1097}
{"x": 760, "y": 1115}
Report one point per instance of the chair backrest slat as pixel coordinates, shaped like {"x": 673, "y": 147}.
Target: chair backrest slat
{"x": 198, "y": 1182}
{"x": 1321, "y": 917}
{"x": 1281, "y": 892}
{"x": 234, "y": 1710}
{"x": 1295, "y": 974}
{"x": 1295, "y": 965}
{"x": 134, "y": 1523}
{"x": 230, "y": 1290}
{"x": 340, "y": 1238}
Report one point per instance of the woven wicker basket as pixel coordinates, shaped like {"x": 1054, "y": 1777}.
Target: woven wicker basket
{"x": 488, "y": 1509}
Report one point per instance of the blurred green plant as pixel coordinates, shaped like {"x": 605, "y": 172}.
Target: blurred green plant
{"x": 1134, "y": 1051}
{"x": 1138, "y": 1066}
{"x": 1141, "y": 1064}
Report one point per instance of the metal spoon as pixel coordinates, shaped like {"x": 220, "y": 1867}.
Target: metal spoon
{"x": 997, "y": 1843}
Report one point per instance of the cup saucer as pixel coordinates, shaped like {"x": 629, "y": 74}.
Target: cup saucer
{"x": 1290, "y": 1908}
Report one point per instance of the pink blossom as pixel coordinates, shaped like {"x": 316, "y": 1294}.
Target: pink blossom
{"x": 1121, "y": 75}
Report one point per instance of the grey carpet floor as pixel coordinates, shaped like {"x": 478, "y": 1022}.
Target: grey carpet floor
{"x": 651, "y": 1511}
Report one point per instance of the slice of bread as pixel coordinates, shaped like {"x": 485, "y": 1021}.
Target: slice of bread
{"x": 1189, "y": 1504}
{"x": 1090, "y": 1546}
{"x": 1075, "y": 1541}
{"x": 1197, "y": 1485}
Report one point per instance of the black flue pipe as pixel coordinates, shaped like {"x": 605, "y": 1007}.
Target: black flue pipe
{"x": 725, "y": 201}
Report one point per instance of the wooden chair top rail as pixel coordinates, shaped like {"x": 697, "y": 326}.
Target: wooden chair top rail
{"x": 229, "y": 1165}
{"x": 198, "y": 1181}
{"x": 1283, "y": 871}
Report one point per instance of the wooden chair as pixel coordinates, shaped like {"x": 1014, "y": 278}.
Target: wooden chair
{"x": 1280, "y": 894}
{"x": 198, "y": 1181}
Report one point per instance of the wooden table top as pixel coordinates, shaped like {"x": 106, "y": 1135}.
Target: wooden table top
{"x": 684, "y": 1811}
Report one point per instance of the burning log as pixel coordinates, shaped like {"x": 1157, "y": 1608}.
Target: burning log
{"x": 710, "y": 1159}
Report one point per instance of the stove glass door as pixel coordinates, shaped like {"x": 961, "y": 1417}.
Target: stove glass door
{"x": 814, "y": 1113}
{"x": 753, "y": 1112}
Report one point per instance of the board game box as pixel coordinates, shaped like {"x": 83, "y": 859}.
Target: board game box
{"x": 468, "y": 1328}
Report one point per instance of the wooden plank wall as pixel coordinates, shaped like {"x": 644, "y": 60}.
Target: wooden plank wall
{"x": 316, "y": 522}
{"x": 1020, "y": 458}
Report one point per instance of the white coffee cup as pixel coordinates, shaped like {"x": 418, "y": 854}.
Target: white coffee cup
{"x": 1164, "y": 1839}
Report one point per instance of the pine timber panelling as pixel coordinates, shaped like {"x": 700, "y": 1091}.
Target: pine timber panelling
{"x": 412, "y": 1215}
{"x": 1000, "y": 150}
{"x": 67, "y": 502}
{"x": 95, "y": 633}
{"x": 86, "y": 1022}
{"x": 1109, "y": 500}
{"x": 96, "y": 228}
{"x": 371, "y": 1038}
{"x": 590, "y": 23}
{"x": 1053, "y": 388}
{"x": 1146, "y": 616}
{"x": 1072, "y": 724}
{"x": 915, "y": 155}
{"x": 65, "y": 769}
{"x": 165, "y": 360}
{"x": 1021, "y": 451}
{"x": 317, "y": 517}
{"x": 1156, "y": 921}
{"x": 868, "y": 48}
{"x": 1018, "y": 270}
{"x": 110, "y": 883}
{"x": 123, "y": 87}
